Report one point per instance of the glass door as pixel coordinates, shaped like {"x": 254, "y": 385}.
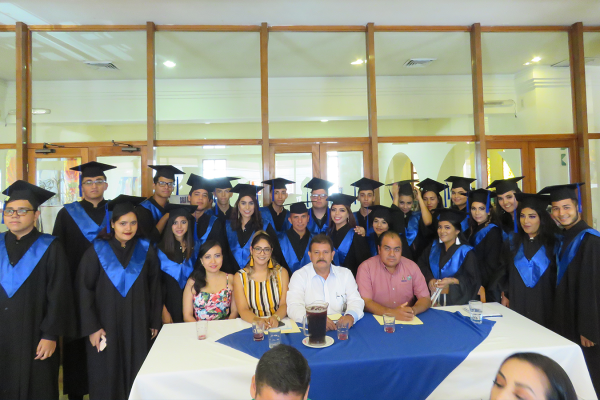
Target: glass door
{"x": 298, "y": 163}
{"x": 554, "y": 162}
{"x": 344, "y": 164}
{"x": 508, "y": 160}
{"x": 52, "y": 172}
{"x": 127, "y": 177}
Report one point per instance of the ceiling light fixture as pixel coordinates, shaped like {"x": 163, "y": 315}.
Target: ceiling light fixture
{"x": 536, "y": 59}
{"x": 527, "y": 63}
{"x": 169, "y": 64}
{"x": 358, "y": 62}
{"x": 324, "y": 120}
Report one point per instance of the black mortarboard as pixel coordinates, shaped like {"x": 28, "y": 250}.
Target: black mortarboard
{"x": 22, "y": 190}
{"x": 318, "y": 183}
{"x": 404, "y": 187}
{"x": 224, "y": 182}
{"x": 244, "y": 189}
{"x": 563, "y": 192}
{"x": 429, "y": 185}
{"x": 506, "y": 185}
{"x": 180, "y": 210}
{"x": 534, "y": 201}
{"x": 366, "y": 184}
{"x": 122, "y": 204}
{"x": 451, "y": 215}
{"x": 199, "y": 182}
{"x": 92, "y": 169}
{"x": 298, "y": 208}
{"x": 341, "y": 198}
{"x": 460, "y": 182}
{"x": 482, "y": 196}
{"x": 277, "y": 183}
{"x": 378, "y": 211}
{"x": 166, "y": 171}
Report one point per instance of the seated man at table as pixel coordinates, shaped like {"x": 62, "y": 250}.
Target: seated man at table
{"x": 282, "y": 373}
{"x": 320, "y": 280}
{"x": 390, "y": 283}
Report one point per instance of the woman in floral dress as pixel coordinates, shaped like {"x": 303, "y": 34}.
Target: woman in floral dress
{"x": 208, "y": 294}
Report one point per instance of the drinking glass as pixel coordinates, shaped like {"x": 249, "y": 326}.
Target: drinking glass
{"x": 389, "y": 323}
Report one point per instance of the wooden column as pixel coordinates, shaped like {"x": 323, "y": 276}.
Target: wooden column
{"x": 580, "y": 119}
{"x": 23, "y": 88}
{"x": 372, "y": 111}
{"x": 151, "y": 104}
{"x": 264, "y": 107}
{"x": 478, "y": 114}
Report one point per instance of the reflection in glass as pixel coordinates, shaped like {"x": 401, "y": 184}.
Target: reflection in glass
{"x": 126, "y": 178}
{"x": 551, "y": 167}
{"x": 296, "y": 167}
{"x": 595, "y": 173}
{"x": 591, "y": 48}
{"x": 343, "y": 168}
{"x": 8, "y": 132}
{"x": 504, "y": 164}
{"x": 8, "y": 172}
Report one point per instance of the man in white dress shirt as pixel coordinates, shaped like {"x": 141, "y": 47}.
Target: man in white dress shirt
{"x": 321, "y": 280}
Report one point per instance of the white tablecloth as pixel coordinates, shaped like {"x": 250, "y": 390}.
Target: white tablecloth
{"x": 181, "y": 367}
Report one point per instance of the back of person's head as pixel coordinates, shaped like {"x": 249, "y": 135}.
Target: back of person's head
{"x": 282, "y": 370}
{"x": 558, "y": 386}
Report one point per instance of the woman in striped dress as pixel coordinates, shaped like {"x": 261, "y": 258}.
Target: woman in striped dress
{"x": 260, "y": 288}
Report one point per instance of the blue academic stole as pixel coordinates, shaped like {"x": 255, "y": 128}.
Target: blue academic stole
{"x": 13, "y": 277}
{"x": 122, "y": 278}
{"x": 412, "y": 227}
{"x": 341, "y": 252}
{"x": 453, "y": 264}
{"x": 179, "y": 272}
{"x": 266, "y": 215}
{"x": 156, "y": 214}
{"x": 86, "y": 225}
{"x": 507, "y": 236}
{"x": 531, "y": 270}
{"x": 564, "y": 258}
{"x": 241, "y": 254}
{"x": 479, "y": 236}
{"x": 464, "y": 225}
{"x": 369, "y": 230}
{"x": 290, "y": 255}
{"x": 202, "y": 240}
{"x": 372, "y": 240}
{"x": 312, "y": 225}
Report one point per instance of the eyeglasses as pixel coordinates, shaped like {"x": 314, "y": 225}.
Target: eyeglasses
{"x": 163, "y": 184}
{"x": 317, "y": 196}
{"x": 21, "y": 212}
{"x": 266, "y": 250}
{"x": 96, "y": 182}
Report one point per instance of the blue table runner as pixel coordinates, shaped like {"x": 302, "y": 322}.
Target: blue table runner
{"x": 407, "y": 364}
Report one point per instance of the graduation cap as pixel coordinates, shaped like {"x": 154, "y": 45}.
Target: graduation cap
{"x": 366, "y": 184}
{"x": 534, "y": 201}
{"x": 378, "y": 211}
{"x": 429, "y": 185}
{"x": 200, "y": 182}
{"x": 224, "y": 182}
{"x": 277, "y": 183}
{"x": 341, "y": 198}
{"x": 318, "y": 183}
{"x": 506, "y": 185}
{"x": 91, "y": 170}
{"x": 563, "y": 192}
{"x": 298, "y": 208}
{"x": 169, "y": 172}
{"x": 180, "y": 210}
{"x": 482, "y": 196}
{"x": 244, "y": 189}
{"x": 122, "y": 204}
{"x": 404, "y": 187}
{"x": 451, "y": 215}
{"x": 460, "y": 182}
{"x": 22, "y": 190}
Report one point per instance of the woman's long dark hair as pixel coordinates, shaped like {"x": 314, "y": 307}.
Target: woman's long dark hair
{"x": 170, "y": 245}
{"x": 461, "y": 235}
{"x": 255, "y": 222}
{"x": 504, "y": 218}
{"x": 440, "y": 200}
{"x": 560, "y": 386}
{"x": 351, "y": 219}
{"x": 114, "y": 218}
{"x": 492, "y": 219}
{"x": 546, "y": 233}
{"x": 199, "y": 272}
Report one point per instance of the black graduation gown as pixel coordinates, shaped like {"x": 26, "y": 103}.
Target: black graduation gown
{"x": 400, "y": 219}
{"x": 126, "y": 320}
{"x": 222, "y": 216}
{"x": 488, "y": 253}
{"x": 42, "y": 308}
{"x": 320, "y": 222}
{"x": 359, "y": 249}
{"x": 362, "y": 220}
{"x": 467, "y": 275}
{"x": 146, "y": 221}
{"x": 298, "y": 244}
{"x": 536, "y": 303}
{"x": 68, "y": 232}
{"x": 279, "y": 219}
{"x": 172, "y": 293}
{"x": 577, "y": 301}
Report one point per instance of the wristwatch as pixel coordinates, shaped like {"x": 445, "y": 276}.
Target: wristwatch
{"x": 277, "y": 317}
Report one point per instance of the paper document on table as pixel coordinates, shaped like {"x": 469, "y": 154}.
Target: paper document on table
{"x": 486, "y": 312}
{"x": 290, "y": 326}
{"x": 415, "y": 321}
{"x": 334, "y": 317}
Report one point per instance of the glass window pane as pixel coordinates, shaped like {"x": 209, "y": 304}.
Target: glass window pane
{"x": 126, "y": 178}
{"x": 8, "y": 133}
{"x": 87, "y": 102}
{"x": 595, "y": 173}
{"x": 213, "y": 89}
{"x": 244, "y": 162}
{"x": 436, "y": 161}
{"x": 424, "y": 85}
{"x": 526, "y": 83}
{"x": 551, "y": 167}
{"x": 296, "y": 167}
{"x": 504, "y": 164}
{"x": 317, "y": 85}
{"x": 591, "y": 44}
{"x": 343, "y": 168}
{"x": 8, "y": 173}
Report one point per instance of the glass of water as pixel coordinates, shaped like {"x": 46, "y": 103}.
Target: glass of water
{"x": 476, "y": 311}
{"x": 274, "y": 337}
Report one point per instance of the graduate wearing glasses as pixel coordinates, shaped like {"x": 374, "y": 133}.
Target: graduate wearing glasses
{"x": 318, "y": 218}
